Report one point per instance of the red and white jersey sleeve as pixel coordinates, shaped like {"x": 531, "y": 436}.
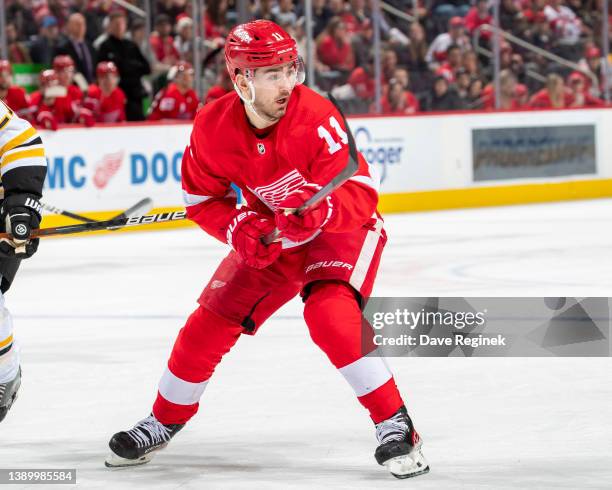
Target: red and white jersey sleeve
{"x": 355, "y": 201}
{"x": 209, "y": 199}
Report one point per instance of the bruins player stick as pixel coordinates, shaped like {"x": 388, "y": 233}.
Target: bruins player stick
{"x": 111, "y": 224}
{"x": 142, "y": 206}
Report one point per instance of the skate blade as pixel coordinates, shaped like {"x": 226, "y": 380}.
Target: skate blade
{"x": 114, "y": 461}
{"x": 408, "y": 466}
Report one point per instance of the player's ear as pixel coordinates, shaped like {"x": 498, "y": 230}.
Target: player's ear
{"x": 242, "y": 84}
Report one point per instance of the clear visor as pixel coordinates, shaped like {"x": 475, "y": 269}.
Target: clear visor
{"x": 288, "y": 75}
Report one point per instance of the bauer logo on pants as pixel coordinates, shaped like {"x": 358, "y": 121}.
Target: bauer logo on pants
{"x": 329, "y": 263}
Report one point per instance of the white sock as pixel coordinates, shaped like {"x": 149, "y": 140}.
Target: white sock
{"x": 9, "y": 361}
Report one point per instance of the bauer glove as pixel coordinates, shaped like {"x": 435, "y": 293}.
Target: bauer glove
{"x": 301, "y": 227}
{"x": 245, "y": 235}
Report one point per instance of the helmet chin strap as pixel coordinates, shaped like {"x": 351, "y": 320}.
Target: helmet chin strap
{"x": 249, "y": 103}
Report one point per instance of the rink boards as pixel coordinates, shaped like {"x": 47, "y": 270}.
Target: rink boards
{"x": 426, "y": 162}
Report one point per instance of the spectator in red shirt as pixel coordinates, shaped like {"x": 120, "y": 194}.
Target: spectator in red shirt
{"x": 14, "y": 96}
{"x": 162, "y": 43}
{"x": 522, "y": 94}
{"x": 178, "y": 100}
{"x": 362, "y": 81}
{"x": 106, "y": 100}
{"x": 449, "y": 68}
{"x": 355, "y": 18}
{"x": 478, "y": 15}
{"x": 580, "y": 95}
{"x": 17, "y": 51}
{"x": 507, "y": 89}
{"x": 334, "y": 49}
{"x": 554, "y": 95}
{"x": 398, "y": 100}
{"x": 439, "y": 46}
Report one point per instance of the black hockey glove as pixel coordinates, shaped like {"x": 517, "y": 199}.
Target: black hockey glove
{"x": 20, "y": 214}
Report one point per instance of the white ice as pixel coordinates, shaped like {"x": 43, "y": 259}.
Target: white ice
{"x": 96, "y": 318}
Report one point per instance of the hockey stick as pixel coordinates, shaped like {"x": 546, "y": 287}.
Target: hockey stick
{"x": 111, "y": 224}
{"x": 139, "y": 208}
{"x": 347, "y": 172}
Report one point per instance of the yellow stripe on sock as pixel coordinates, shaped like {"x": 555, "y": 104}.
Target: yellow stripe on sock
{"x": 6, "y": 341}
{"x": 18, "y": 140}
{"x": 38, "y": 152}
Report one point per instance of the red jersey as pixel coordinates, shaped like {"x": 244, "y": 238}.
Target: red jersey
{"x": 106, "y": 108}
{"x": 541, "y": 100}
{"x": 410, "y": 105}
{"x": 17, "y": 99}
{"x": 75, "y": 94}
{"x": 163, "y": 48}
{"x": 334, "y": 55}
{"x": 61, "y": 109}
{"x": 362, "y": 83}
{"x": 307, "y": 145}
{"x": 215, "y": 92}
{"x": 170, "y": 103}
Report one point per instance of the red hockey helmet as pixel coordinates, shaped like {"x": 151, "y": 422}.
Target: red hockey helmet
{"x": 5, "y": 66}
{"x": 47, "y": 78}
{"x": 62, "y": 62}
{"x": 106, "y": 68}
{"x": 257, "y": 44}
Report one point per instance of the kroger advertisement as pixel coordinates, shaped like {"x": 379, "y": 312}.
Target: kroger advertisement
{"x": 102, "y": 169}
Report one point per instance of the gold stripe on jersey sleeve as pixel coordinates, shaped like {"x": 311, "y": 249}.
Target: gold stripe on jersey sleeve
{"x": 37, "y": 152}
{"x": 6, "y": 341}
{"x": 17, "y": 140}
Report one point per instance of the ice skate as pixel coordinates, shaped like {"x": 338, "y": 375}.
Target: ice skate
{"x": 138, "y": 445}
{"x": 400, "y": 446}
{"x": 8, "y": 394}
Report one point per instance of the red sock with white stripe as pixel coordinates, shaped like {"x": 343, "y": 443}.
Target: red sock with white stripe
{"x": 334, "y": 320}
{"x": 199, "y": 347}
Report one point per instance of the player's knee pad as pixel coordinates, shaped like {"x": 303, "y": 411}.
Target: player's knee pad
{"x": 333, "y": 315}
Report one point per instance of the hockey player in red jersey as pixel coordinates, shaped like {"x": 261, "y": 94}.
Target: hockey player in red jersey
{"x": 63, "y": 65}
{"x": 279, "y": 142}
{"x": 49, "y": 103}
{"x": 178, "y": 100}
{"x": 13, "y": 95}
{"x": 106, "y": 100}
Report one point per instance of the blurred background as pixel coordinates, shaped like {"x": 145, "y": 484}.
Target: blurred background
{"x": 160, "y": 59}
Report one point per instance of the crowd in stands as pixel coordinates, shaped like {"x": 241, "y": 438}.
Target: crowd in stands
{"x": 99, "y": 66}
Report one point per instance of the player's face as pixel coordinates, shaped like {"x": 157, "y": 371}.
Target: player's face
{"x": 65, "y": 76}
{"x": 108, "y": 83}
{"x": 5, "y": 80}
{"x": 273, "y": 87}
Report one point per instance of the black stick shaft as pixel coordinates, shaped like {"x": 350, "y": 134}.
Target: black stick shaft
{"x": 106, "y": 225}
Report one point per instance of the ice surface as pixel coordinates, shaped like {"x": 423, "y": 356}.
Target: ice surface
{"x": 96, "y": 318}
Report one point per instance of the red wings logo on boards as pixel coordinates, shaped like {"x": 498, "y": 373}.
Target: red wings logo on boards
{"x": 107, "y": 168}
{"x": 273, "y": 194}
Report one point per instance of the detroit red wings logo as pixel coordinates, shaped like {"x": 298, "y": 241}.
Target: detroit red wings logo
{"x": 107, "y": 168}
{"x": 273, "y": 194}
